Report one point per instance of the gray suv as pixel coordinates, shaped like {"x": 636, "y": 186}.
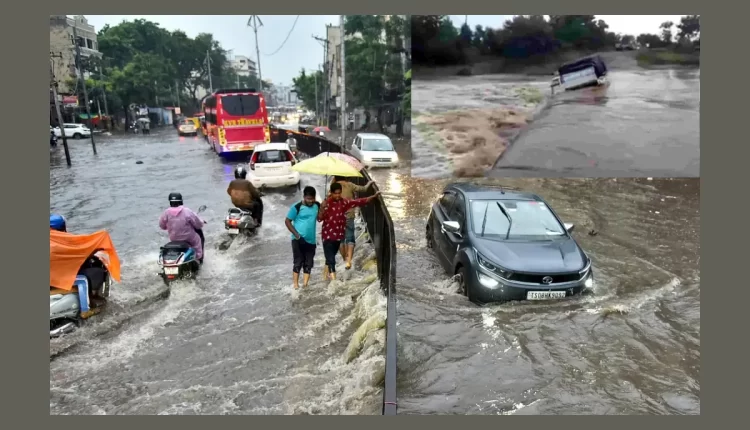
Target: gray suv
{"x": 504, "y": 245}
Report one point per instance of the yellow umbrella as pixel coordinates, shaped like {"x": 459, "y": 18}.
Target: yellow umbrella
{"x": 328, "y": 166}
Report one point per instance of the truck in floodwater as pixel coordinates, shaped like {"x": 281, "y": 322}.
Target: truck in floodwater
{"x": 584, "y": 72}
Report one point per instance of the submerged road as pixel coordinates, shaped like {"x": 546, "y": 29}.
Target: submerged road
{"x": 646, "y": 123}
{"x": 236, "y": 341}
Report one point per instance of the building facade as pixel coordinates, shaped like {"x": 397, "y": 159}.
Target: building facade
{"x": 243, "y": 65}
{"x": 62, "y": 32}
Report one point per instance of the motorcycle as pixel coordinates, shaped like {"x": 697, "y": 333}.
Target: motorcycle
{"x": 178, "y": 260}
{"x": 240, "y": 221}
{"x": 68, "y": 308}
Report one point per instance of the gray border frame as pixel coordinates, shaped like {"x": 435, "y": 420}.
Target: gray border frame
{"x": 724, "y": 154}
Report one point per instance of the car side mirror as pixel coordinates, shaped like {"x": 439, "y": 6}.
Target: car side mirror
{"x": 452, "y": 227}
{"x": 569, "y": 227}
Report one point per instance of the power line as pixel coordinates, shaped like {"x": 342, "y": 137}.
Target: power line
{"x": 287, "y": 38}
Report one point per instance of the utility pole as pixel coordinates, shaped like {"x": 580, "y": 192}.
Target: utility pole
{"x": 344, "y": 117}
{"x": 326, "y": 97}
{"x": 83, "y": 79}
{"x": 317, "y": 110}
{"x": 177, "y": 90}
{"x": 53, "y": 86}
{"x": 256, "y": 22}
{"x": 210, "y": 81}
{"x": 104, "y": 95}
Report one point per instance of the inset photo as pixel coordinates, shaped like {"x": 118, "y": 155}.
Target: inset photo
{"x": 556, "y": 95}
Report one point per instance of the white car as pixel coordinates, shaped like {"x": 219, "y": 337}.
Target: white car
{"x": 77, "y": 131}
{"x": 374, "y": 150}
{"x": 271, "y": 166}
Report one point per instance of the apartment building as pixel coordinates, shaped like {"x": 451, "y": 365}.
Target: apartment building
{"x": 63, "y": 30}
{"x": 243, "y": 65}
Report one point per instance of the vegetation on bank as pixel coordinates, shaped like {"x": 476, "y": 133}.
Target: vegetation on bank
{"x": 659, "y": 58}
{"x": 536, "y": 39}
{"x": 143, "y": 63}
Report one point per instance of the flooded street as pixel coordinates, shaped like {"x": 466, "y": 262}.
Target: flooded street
{"x": 645, "y": 123}
{"x": 238, "y": 340}
{"x": 631, "y": 348}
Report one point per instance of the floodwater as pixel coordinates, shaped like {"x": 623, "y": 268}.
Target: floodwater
{"x": 631, "y": 348}
{"x": 238, "y": 340}
{"x": 645, "y": 123}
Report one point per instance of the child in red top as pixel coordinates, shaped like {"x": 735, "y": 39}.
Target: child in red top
{"x": 333, "y": 214}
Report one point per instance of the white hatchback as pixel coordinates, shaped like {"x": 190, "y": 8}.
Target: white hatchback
{"x": 374, "y": 150}
{"x": 271, "y": 166}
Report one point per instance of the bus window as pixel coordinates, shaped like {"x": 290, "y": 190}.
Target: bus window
{"x": 241, "y": 105}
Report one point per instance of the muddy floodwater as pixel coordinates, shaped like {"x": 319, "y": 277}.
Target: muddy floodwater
{"x": 631, "y": 348}
{"x": 236, "y": 341}
{"x": 646, "y": 122}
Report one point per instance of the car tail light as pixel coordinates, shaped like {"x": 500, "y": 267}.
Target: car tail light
{"x": 253, "y": 159}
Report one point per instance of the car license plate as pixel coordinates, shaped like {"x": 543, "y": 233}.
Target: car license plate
{"x": 171, "y": 270}
{"x": 545, "y": 295}
{"x": 234, "y": 231}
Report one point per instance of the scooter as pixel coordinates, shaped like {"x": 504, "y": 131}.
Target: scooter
{"x": 68, "y": 308}
{"x": 178, "y": 260}
{"x": 240, "y": 221}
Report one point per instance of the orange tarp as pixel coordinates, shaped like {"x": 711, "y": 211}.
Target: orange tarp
{"x": 67, "y": 252}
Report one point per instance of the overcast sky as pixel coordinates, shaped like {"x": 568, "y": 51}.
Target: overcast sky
{"x": 625, "y": 24}
{"x": 301, "y": 50}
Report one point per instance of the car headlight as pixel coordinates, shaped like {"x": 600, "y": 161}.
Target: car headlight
{"x": 395, "y": 158}
{"x": 492, "y": 268}
{"x": 589, "y": 282}
{"x": 487, "y": 281}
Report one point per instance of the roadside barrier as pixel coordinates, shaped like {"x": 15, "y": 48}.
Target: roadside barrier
{"x": 381, "y": 232}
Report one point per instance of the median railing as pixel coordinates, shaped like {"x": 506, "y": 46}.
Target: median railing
{"x": 381, "y": 232}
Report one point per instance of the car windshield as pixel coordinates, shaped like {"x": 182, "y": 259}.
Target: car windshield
{"x": 377, "y": 145}
{"x": 531, "y": 220}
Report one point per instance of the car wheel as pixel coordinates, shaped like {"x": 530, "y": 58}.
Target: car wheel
{"x": 430, "y": 238}
{"x": 461, "y": 280}
{"x": 77, "y": 136}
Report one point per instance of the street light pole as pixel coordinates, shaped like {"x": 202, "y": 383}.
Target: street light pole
{"x": 83, "y": 79}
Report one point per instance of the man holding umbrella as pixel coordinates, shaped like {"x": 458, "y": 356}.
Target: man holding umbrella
{"x": 333, "y": 214}
{"x": 347, "y": 191}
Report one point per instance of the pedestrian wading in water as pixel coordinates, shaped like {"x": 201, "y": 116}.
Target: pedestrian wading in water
{"x": 301, "y": 221}
{"x": 333, "y": 214}
{"x": 347, "y": 191}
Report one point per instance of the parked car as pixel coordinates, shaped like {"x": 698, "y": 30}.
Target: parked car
{"x": 76, "y": 131}
{"x": 187, "y": 127}
{"x": 374, "y": 150}
{"x": 271, "y": 166}
{"x": 504, "y": 245}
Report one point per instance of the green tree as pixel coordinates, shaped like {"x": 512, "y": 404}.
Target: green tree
{"x": 304, "y": 86}
{"x": 689, "y": 27}
{"x": 666, "y": 32}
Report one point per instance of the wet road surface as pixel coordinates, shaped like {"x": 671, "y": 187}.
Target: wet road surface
{"x": 645, "y": 123}
{"x": 631, "y": 348}
{"x": 236, "y": 341}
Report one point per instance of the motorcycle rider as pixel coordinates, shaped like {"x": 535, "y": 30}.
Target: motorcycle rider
{"x": 91, "y": 268}
{"x": 183, "y": 225}
{"x": 245, "y": 196}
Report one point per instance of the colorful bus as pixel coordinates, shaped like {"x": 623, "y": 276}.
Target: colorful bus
{"x": 236, "y": 120}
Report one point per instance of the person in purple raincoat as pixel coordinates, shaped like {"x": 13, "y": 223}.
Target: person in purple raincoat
{"x": 183, "y": 225}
